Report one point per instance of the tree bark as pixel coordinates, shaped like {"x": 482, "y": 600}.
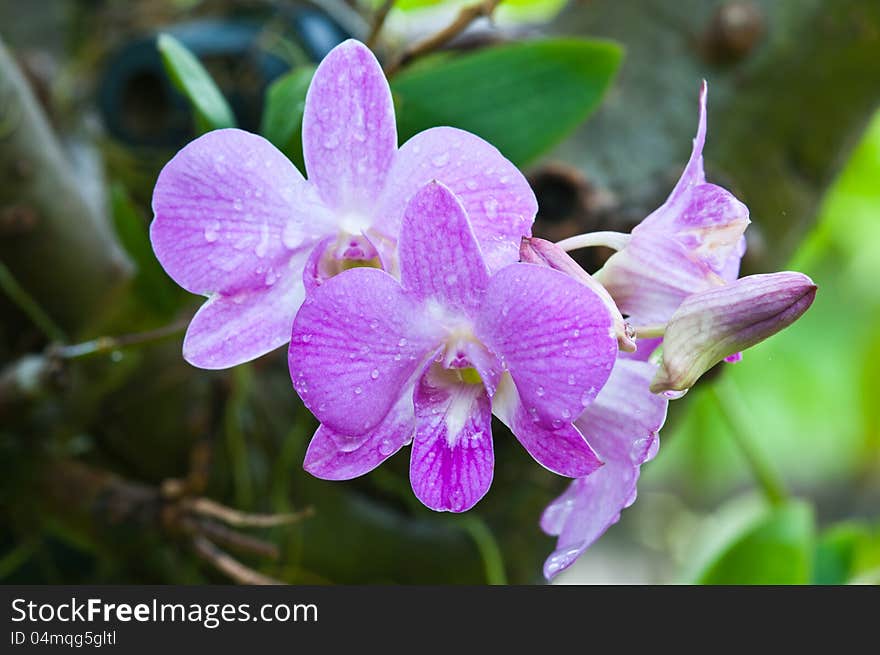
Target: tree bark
{"x": 56, "y": 243}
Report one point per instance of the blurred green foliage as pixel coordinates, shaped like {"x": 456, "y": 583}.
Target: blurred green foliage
{"x": 195, "y": 83}
{"x": 523, "y": 98}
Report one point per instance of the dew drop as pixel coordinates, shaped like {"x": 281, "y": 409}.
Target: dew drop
{"x": 490, "y": 206}
{"x": 375, "y": 374}
{"x": 211, "y": 230}
{"x": 386, "y": 447}
{"x": 440, "y": 160}
{"x": 586, "y": 398}
{"x": 237, "y": 205}
{"x": 263, "y": 245}
{"x": 571, "y": 379}
{"x": 358, "y": 391}
{"x": 402, "y": 342}
{"x": 306, "y": 338}
{"x": 566, "y": 414}
{"x": 471, "y": 184}
{"x": 540, "y": 391}
{"x": 292, "y": 236}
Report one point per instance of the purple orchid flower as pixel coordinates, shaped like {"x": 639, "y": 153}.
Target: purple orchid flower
{"x": 693, "y": 242}
{"x": 431, "y": 357}
{"x": 675, "y": 277}
{"x": 237, "y": 222}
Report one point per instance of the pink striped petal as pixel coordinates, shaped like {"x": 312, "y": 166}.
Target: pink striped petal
{"x": 332, "y": 456}
{"x": 439, "y": 256}
{"x": 623, "y": 425}
{"x": 230, "y": 210}
{"x": 554, "y": 335}
{"x": 235, "y": 328}
{"x": 356, "y": 341}
{"x": 452, "y": 457}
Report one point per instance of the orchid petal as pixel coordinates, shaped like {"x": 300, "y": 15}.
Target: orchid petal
{"x": 231, "y": 329}
{"x": 229, "y": 210}
{"x": 498, "y": 200}
{"x": 563, "y": 451}
{"x": 349, "y": 133}
{"x": 555, "y": 337}
{"x": 332, "y": 456}
{"x": 452, "y": 458}
{"x": 622, "y": 425}
{"x": 356, "y": 340}
{"x": 440, "y": 259}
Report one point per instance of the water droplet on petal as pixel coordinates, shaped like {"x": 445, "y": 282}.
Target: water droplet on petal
{"x": 306, "y": 338}
{"x": 571, "y": 379}
{"x": 440, "y": 160}
{"x": 386, "y": 447}
{"x": 490, "y": 206}
{"x": 263, "y": 245}
{"x": 471, "y": 184}
{"x": 375, "y": 374}
{"x": 211, "y": 231}
{"x": 402, "y": 342}
{"x": 539, "y": 391}
{"x": 358, "y": 391}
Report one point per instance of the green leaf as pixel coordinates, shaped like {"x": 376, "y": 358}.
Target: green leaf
{"x": 775, "y": 547}
{"x": 848, "y": 553}
{"x": 524, "y": 98}
{"x": 151, "y": 284}
{"x": 283, "y": 112}
{"x": 837, "y": 553}
{"x": 193, "y": 81}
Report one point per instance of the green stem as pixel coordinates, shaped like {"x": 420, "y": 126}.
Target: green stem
{"x": 735, "y": 412}
{"x": 29, "y": 306}
{"x": 493, "y": 561}
{"x": 103, "y": 345}
{"x": 236, "y": 442}
{"x": 650, "y": 331}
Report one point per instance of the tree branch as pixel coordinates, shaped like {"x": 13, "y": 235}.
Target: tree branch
{"x": 465, "y": 17}
{"x": 64, "y": 253}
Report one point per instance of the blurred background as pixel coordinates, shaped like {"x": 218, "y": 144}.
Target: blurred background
{"x": 120, "y": 463}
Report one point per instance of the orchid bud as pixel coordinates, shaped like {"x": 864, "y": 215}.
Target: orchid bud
{"x": 546, "y": 253}
{"x": 712, "y": 325}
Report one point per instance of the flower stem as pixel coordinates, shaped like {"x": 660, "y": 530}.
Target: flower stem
{"x": 735, "y": 412}
{"x": 493, "y": 561}
{"x": 28, "y": 305}
{"x": 613, "y": 240}
{"x": 103, "y": 345}
{"x": 650, "y": 331}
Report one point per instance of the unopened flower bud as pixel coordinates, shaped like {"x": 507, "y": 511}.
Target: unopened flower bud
{"x": 712, "y": 325}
